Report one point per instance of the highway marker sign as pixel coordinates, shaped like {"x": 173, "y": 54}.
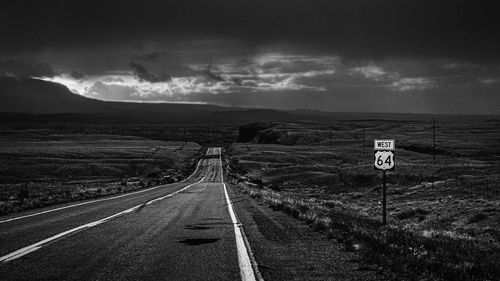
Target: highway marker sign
{"x": 384, "y": 155}
{"x": 384, "y": 160}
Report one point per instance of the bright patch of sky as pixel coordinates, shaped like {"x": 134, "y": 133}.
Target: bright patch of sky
{"x": 266, "y": 72}
{"x": 271, "y": 72}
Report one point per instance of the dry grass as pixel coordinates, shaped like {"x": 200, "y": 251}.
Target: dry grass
{"x": 444, "y": 215}
{"x": 45, "y": 169}
{"x": 463, "y": 180}
{"x": 432, "y": 254}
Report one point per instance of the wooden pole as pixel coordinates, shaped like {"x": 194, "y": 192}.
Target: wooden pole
{"x": 434, "y": 139}
{"x": 330, "y": 141}
{"x": 487, "y": 185}
{"x": 363, "y": 141}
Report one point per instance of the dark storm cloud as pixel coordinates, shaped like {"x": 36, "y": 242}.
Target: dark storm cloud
{"x": 77, "y": 75}
{"x": 340, "y": 55}
{"x": 149, "y": 57}
{"x": 25, "y": 68}
{"x": 452, "y": 28}
{"x": 143, "y": 74}
{"x": 214, "y": 75}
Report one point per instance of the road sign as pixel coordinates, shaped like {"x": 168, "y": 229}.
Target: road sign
{"x": 384, "y": 145}
{"x": 384, "y": 160}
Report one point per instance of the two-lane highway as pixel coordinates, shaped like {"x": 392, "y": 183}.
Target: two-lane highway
{"x": 183, "y": 231}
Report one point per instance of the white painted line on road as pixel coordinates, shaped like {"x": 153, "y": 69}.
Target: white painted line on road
{"x": 172, "y": 194}
{"x": 93, "y": 201}
{"x": 246, "y": 269}
{"x": 76, "y": 205}
{"x": 31, "y": 248}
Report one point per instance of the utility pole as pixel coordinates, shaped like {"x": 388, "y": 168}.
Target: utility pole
{"x": 487, "y": 184}
{"x": 330, "y": 141}
{"x": 434, "y": 139}
{"x": 363, "y": 142}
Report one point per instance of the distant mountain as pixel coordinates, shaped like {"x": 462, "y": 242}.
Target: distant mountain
{"x": 35, "y": 97}
{"x": 23, "y": 95}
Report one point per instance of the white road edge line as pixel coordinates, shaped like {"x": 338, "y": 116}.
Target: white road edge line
{"x": 246, "y": 269}
{"x": 94, "y": 201}
{"x": 31, "y": 248}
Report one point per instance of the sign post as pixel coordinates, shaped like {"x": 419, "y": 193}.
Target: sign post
{"x": 384, "y": 160}
{"x": 384, "y": 198}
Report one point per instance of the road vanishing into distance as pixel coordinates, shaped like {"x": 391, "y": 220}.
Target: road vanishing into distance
{"x": 181, "y": 231}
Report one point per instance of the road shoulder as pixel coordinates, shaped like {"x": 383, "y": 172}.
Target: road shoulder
{"x": 287, "y": 249}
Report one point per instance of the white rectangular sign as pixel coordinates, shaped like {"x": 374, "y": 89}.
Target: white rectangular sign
{"x": 384, "y": 145}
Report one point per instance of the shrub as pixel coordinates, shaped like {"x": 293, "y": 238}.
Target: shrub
{"x": 410, "y": 213}
{"x": 477, "y": 217}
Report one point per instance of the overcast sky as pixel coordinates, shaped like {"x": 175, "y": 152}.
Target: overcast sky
{"x": 418, "y": 56}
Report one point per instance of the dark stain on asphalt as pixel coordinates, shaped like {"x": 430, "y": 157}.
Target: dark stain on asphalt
{"x": 212, "y": 219}
{"x": 198, "y": 241}
{"x": 194, "y": 192}
{"x": 196, "y": 227}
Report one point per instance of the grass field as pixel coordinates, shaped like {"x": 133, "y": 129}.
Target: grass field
{"x": 199, "y": 133}
{"x": 448, "y": 209}
{"x": 43, "y": 167}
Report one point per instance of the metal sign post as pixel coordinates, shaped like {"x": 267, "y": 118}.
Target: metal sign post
{"x": 384, "y": 160}
{"x": 384, "y": 199}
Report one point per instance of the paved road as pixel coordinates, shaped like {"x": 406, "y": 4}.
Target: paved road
{"x": 182, "y": 231}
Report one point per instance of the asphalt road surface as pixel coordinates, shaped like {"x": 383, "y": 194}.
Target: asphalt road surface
{"x": 182, "y": 231}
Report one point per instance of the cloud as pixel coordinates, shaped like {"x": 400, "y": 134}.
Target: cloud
{"x": 25, "y": 68}
{"x": 271, "y": 72}
{"x": 488, "y": 80}
{"x": 211, "y": 74}
{"x": 149, "y": 57}
{"x": 370, "y": 71}
{"x": 453, "y": 65}
{"x": 412, "y": 84}
{"x": 261, "y": 73}
{"x": 111, "y": 79}
{"x": 143, "y": 74}
{"x": 397, "y": 76}
{"x": 108, "y": 92}
{"x": 413, "y": 28}
{"x": 77, "y": 75}
{"x": 275, "y": 71}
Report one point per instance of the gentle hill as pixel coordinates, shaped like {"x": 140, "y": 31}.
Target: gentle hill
{"x": 25, "y": 98}
{"x": 41, "y": 97}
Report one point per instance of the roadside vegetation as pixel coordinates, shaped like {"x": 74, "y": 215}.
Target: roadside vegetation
{"x": 405, "y": 252}
{"x": 41, "y": 167}
{"x": 444, "y": 215}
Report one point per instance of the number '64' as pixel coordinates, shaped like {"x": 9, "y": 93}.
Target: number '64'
{"x": 380, "y": 160}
